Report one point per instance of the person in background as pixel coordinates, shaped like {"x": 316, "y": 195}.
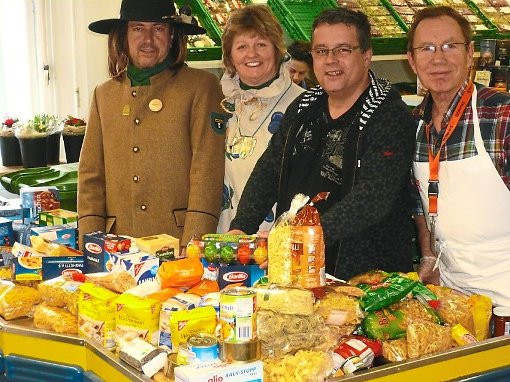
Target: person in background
{"x": 461, "y": 162}
{"x": 352, "y": 136}
{"x": 257, "y": 90}
{"x": 151, "y": 161}
{"x": 301, "y": 64}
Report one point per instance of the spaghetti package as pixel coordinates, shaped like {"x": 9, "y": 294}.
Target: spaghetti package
{"x": 55, "y": 319}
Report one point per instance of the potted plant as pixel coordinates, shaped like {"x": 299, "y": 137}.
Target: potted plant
{"x": 33, "y": 139}
{"x": 73, "y": 133}
{"x": 9, "y": 145}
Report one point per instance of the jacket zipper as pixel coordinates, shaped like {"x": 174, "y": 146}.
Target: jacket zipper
{"x": 283, "y": 160}
{"x": 357, "y": 164}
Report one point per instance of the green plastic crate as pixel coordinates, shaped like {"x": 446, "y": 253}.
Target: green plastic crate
{"x": 491, "y": 31}
{"x": 64, "y": 177}
{"x": 297, "y": 16}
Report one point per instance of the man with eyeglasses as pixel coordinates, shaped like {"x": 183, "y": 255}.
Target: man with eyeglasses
{"x": 353, "y": 136}
{"x": 460, "y": 162}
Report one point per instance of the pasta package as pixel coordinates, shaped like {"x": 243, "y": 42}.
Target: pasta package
{"x": 118, "y": 281}
{"x": 55, "y": 319}
{"x": 424, "y": 337}
{"x": 339, "y": 309}
{"x": 285, "y": 300}
{"x": 17, "y": 300}
{"x": 96, "y": 314}
{"x": 413, "y": 309}
{"x": 395, "y": 350}
{"x": 137, "y": 317}
{"x": 280, "y": 259}
{"x": 42, "y": 245}
{"x": 60, "y": 293}
{"x": 392, "y": 289}
{"x": 454, "y": 307}
{"x": 481, "y": 309}
{"x": 304, "y": 366}
{"x": 286, "y": 333}
{"x": 308, "y": 249}
{"x": 385, "y": 324}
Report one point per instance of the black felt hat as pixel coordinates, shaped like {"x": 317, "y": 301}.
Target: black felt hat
{"x": 156, "y": 11}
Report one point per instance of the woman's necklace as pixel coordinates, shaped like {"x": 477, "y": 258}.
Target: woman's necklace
{"x": 242, "y": 146}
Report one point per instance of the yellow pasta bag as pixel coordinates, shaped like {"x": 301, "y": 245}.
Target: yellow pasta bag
{"x": 17, "y": 300}
{"x": 55, "y": 319}
{"x": 61, "y": 293}
{"x": 137, "y": 317}
{"x": 96, "y": 314}
{"x": 481, "y": 308}
{"x": 49, "y": 248}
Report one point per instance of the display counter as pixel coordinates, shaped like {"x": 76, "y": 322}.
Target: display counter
{"x": 20, "y": 338}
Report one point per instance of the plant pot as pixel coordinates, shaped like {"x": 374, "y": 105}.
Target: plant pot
{"x": 53, "y": 149}
{"x": 11, "y": 154}
{"x": 72, "y": 144}
{"x": 33, "y": 151}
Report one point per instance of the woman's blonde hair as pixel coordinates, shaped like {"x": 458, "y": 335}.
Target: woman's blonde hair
{"x": 252, "y": 18}
{"x": 118, "y": 50}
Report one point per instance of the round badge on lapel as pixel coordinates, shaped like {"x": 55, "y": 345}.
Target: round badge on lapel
{"x": 155, "y": 105}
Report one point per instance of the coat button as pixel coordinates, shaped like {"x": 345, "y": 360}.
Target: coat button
{"x": 133, "y": 93}
{"x": 143, "y": 207}
{"x": 137, "y": 121}
{"x": 136, "y": 179}
{"x": 136, "y": 149}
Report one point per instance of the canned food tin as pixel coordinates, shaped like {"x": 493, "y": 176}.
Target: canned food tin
{"x": 237, "y": 315}
{"x": 204, "y": 347}
{"x": 240, "y": 351}
{"x": 501, "y": 319}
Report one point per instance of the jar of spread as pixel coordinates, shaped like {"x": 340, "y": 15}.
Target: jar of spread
{"x": 501, "y": 319}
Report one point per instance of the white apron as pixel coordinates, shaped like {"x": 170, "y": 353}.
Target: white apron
{"x": 473, "y": 222}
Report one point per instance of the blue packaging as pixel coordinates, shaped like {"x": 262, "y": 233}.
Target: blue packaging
{"x": 6, "y": 232}
{"x": 55, "y": 266}
{"x": 37, "y": 199}
{"x": 98, "y": 247}
{"x": 245, "y": 275}
{"x": 64, "y": 234}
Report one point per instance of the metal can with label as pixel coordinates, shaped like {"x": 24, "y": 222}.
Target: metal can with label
{"x": 204, "y": 347}
{"x": 237, "y": 315}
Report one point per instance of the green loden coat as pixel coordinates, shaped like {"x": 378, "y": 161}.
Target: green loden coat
{"x": 144, "y": 172}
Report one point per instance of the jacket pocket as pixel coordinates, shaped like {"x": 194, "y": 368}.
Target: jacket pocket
{"x": 110, "y": 224}
{"x": 180, "y": 216}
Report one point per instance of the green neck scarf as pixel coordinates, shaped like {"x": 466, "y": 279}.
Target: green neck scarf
{"x": 141, "y": 77}
{"x": 265, "y": 84}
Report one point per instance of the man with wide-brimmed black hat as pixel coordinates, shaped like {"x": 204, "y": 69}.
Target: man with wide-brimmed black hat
{"x": 151, "y": 162}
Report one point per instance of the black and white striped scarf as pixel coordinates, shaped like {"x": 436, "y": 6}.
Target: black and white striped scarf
{"x": 378, "y": 91}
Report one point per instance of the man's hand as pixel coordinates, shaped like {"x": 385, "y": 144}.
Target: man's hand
{"x": 426, "y": 270}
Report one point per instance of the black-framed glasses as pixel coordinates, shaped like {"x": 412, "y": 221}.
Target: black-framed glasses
{"x": 447, "y": 48}
{"x": 340, "y": 51}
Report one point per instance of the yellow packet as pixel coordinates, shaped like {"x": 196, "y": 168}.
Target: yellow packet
{"x": 461, "y": 335}
{"x": 137, "y": 317}
{"x": 185, "y": 323}
{"x": 96, "y": 314}
{"x": 481, "y": 308}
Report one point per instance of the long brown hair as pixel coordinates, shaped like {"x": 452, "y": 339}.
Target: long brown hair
{"x": 118, "y": 50}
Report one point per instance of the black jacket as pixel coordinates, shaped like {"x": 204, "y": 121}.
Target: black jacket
{"x": 371, "y": 227}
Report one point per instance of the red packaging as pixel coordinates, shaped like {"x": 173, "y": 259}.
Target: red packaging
{"x": 355, "y": 353}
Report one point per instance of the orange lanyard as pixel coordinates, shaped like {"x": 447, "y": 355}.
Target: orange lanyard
{"x": 433, "y": 190}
